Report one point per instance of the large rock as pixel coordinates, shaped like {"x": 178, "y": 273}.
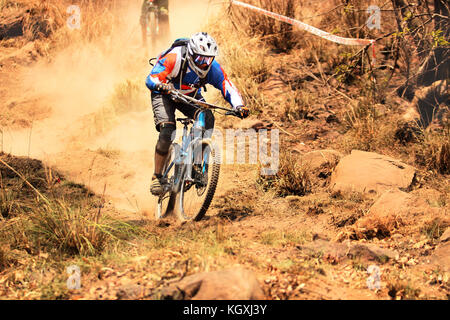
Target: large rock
{"x": 441, "y": 255}
{"x": 387, "y": 213}
{"x": 445, "y": 236}
{"x": 371, "y": 173}
{"x": 321, "y": 158}
{"x": 231, "y": 284}
{"x": 320, "y": 164}
{"x": 396, "y": 208}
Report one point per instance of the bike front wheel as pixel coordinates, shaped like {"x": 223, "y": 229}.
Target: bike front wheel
{"x": 195, "y": 195}
{"x": 166, "y": 201}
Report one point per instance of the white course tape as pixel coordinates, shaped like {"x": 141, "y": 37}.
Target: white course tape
{"x": 307, "y": 27}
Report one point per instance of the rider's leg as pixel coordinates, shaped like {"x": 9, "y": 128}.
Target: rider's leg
{"x": 166, "y": 137}
{"x": 164, "y": 115}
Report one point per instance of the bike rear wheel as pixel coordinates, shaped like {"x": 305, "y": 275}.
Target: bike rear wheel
{"x": 166, "y": 201}
{"x": 195, "y": 197}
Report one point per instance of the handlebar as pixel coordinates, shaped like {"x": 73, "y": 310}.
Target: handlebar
{"x": 232, "y": 113}
{"x": 180, "y": 97}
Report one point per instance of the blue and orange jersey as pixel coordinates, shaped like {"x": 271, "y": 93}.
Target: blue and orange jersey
{"x": 169, "y": 66}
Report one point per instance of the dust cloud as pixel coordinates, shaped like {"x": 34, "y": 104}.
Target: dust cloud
{"x": 76, "y": 84}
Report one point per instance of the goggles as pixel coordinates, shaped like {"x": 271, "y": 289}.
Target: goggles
{"x": 203, "y": 62}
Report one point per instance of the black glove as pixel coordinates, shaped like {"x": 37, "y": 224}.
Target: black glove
{"x": 164, "y": 88}
{"x": 242, "y": 112}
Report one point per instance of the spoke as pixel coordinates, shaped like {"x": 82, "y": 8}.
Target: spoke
{"x": 194, "y": 195}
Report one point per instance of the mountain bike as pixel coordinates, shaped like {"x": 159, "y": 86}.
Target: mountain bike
{"x": 191, "y": 171}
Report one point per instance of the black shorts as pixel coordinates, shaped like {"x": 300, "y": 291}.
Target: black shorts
{"x": 164, "y": 110}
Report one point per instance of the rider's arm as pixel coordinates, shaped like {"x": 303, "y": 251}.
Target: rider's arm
{"x": 219, "y": 79}
{"x": 163, "y": 70}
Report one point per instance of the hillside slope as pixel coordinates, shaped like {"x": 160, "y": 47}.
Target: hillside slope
{"x": 83, "y": 111}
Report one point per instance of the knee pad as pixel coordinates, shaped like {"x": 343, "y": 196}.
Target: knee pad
{"x": 166, "y": 136}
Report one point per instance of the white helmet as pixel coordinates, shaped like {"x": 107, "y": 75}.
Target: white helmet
{"x": 201, "y": 49}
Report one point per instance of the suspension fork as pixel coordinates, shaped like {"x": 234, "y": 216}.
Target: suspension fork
{"x": 192, "y": 142}
{"x": 199, "y": 130}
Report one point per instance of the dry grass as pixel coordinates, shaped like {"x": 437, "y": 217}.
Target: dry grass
{"x": 7, "y": 198}
{"x": 128, "y": 96}
{"x": 298, "y": 106}
{"x": 348, "y": 18}
{"x": 68, "y": 229}
{"x": 61, "y": 229}
{"x": 433, "y": 150}
{"x": 277, "y": 35}
{"x": 244, "y": 61}
{"x": 363, "y": 124}
{"x": 402, "y": 289}
{"x": 434, "y": 228}
{"x": 4, "y": 261}
{"x": 292, "y": 177}
{"x": 45, "y": 23}
{"x": 43, "y": 220}
{"x": 284, "y": 238}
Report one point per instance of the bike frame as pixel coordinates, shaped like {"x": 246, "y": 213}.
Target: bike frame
{"x": 192, "y": 139}
{"x": 189, "y": 141}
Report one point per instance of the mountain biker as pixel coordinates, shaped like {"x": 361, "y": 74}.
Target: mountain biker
{"x": 186, "y": 68}
{"x": 163, "y": 6}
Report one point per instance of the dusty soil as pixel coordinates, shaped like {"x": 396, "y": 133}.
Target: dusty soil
{"x": 46, "y": 106}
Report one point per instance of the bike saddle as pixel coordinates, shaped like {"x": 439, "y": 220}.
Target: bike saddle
{"x": 185, "y": 120}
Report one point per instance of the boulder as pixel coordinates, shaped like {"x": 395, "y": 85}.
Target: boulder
{"x": 321, "y": 158}
{"x": 445, "y": 236}
{"x": 370, "y": 172}
{"x": 396, "y": 208}
{"x": 337, "y": 251}
{"x": 441, "y": 255}
{"x": 387, "y": 213}
{"x": 320, "y": 164}
{"x": 231, "y": 284}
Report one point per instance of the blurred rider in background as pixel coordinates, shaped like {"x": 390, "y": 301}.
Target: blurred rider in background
{"x": 163, "y": 6}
